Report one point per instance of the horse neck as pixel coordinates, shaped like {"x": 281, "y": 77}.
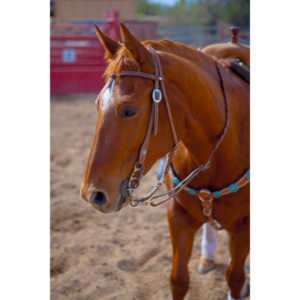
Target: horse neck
{"x": 200, "y": 101}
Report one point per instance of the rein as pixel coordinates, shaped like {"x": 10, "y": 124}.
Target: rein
{"x": 182, "y": 184}
{"x": 159, "y": 92}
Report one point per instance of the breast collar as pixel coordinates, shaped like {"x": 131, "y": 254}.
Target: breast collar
{"x": 159, "y": 93}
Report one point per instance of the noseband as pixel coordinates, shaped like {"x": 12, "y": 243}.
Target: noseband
{"x": 158, "y": 94}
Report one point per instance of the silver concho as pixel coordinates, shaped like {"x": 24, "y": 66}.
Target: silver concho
{"x": 156, "y": 95}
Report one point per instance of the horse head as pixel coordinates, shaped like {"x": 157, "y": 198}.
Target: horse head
{"x": 124, "y": 108}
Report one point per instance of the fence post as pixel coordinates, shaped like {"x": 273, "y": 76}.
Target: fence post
{"x": 112, "y": 27}
{"x": 235, "y": 30}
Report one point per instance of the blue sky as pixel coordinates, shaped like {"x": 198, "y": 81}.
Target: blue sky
{"x": 169, "y": 2}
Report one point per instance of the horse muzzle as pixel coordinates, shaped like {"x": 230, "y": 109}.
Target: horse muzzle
{"x": 102, "y": 202}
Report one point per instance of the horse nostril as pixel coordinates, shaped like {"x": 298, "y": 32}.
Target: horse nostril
{"x": 98, "y": 198}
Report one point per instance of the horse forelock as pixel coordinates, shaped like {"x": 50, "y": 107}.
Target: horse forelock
{"x": 123, "y": 61}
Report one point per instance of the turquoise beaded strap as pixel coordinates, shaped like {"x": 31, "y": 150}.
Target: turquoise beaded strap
{"x": 233, "y": 188}
{"x": 191, "y": 191}
{"x": 217, "y": 194}
{"x": 176, "y": 180}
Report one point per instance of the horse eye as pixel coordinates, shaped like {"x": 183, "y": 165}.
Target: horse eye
{"x": 128, "y": 112}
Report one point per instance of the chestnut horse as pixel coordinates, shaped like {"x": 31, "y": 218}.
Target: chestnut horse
{"x": 198, "y": 94}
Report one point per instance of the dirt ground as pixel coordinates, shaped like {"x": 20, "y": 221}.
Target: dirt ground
{"x": 124, "y": 256}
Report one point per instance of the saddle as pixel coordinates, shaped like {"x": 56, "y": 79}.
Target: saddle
{"x": 235, "y": 56}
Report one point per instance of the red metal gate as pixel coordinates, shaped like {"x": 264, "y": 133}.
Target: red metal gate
{"x": 77, "y": 58}
{"x": 77, "y": 64}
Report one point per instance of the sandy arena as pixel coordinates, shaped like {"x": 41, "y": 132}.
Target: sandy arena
{"x": 122, "y": 256}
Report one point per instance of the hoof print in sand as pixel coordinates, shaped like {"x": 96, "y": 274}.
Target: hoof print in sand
{"x": 127, "y": 265}
{"x": 58, "y": 266}
{"x": 63, "y": 161}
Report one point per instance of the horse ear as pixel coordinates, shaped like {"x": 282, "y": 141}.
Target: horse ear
{"x": 136, "y": 48}
{"x": 111, "y": 47}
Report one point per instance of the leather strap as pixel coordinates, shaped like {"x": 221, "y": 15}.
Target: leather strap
{"x": 158, "y": 79}
{"x": 160, "y": 71}
{"x": 139, "y": 74}
{"x": 157, "y": 96}
{"x": 182, "y": 184}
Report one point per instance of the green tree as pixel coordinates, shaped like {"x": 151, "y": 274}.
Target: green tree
{"x": 145, "y": 8}
{"x": 206, "y": 12}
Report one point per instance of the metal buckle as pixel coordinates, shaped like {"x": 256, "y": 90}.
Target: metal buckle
{"x": 134, "y": 179}
{"x": 207, "y": 209}
{"x": 133, "y": 203}
{"x": 156, "y": 95}
{"x": 205, "y": 191}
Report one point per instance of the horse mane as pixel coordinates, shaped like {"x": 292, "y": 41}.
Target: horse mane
{"x": 124, "y": 61}
{"x": 176, "y": 48}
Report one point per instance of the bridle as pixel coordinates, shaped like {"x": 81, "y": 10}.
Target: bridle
{"x": 159, "y": 92}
